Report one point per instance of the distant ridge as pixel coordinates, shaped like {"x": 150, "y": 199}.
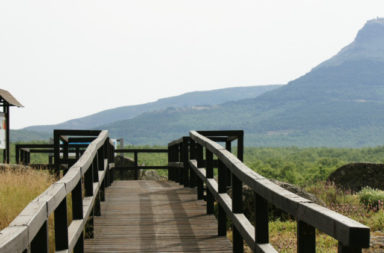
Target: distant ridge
{"x": 340, "y": 103}
{"x": 207, "y": 98}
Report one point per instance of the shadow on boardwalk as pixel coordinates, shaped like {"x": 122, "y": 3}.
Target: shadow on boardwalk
{"x": 154, "y": 216}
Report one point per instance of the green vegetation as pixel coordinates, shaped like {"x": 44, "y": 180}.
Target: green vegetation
{"x": 372, "y": 198}
{"x": 305, "y": 166}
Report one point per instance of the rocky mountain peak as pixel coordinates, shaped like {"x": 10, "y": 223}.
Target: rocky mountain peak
{"x": 368, "y": 45}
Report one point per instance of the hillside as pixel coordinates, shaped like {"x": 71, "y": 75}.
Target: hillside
{"x": 338, "y": 103}
{"x": 208, "y": 98}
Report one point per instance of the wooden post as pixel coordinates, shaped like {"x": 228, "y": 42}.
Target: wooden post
{"x": 7, "y": 130}
{"x": 185, "y": 162}
{"x": 306, "y": 238}
{"x": 169, "y": 160}
{"x": 222, "y": 217}
{"x": 100, "y": 162}
{"x": 200, "y": 159}
{"x": 228, "y": 146}
{"x": 136, "y": 164}
{"x": 261, "y": 220}
{"x": 66, "y": 156}
{"x": 240, "y": 147}
{"x": 237, "y": 207}
{"x": 61, "y": 227}
{"x": 39, "y": 244}
{"x": 77, "y": 202}
{"x": 192, "y": 152}
{"x": 180, "y": 171}
{"x": 209, "y": 174}
{"x": 79, "y": 247}
{"x": 95, "y": 165}
{"x": 17, "y": 149}
{"x": 56, "y": 152}
{"x": 88, "y": 188}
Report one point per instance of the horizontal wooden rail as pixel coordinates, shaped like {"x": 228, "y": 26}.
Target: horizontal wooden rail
{"x": 24, "y": 151}
{"x": 143, "y": 150}
{"x": 136, "y": 167}
{"x": 192, "y": 160}
{"x": 28, "y": 232}
{"x": 142, "y": 167}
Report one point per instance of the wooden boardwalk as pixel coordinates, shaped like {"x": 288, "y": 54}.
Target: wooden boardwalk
{"x": 154, "y": 216}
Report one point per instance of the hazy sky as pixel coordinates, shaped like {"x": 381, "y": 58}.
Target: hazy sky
{"x": 66, "y": 59}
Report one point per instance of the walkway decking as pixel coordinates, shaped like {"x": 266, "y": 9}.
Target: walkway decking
{"x": 154, "y": 216}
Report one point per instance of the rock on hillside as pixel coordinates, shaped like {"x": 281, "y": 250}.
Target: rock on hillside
{"x": 355, "y": 176}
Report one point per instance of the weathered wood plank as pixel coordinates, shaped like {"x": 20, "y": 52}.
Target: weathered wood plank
{"x": 154, "y": 216}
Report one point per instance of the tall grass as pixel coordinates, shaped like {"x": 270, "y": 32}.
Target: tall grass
{"x": 19, "y": 186}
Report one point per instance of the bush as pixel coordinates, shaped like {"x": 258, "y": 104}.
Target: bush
{"x": 372, "y": 198}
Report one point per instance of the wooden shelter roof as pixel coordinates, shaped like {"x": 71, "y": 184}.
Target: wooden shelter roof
{"x": 11, "y": 100}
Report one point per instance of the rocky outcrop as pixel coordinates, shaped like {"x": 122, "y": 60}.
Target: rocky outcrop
{"x": 355, "y": 176}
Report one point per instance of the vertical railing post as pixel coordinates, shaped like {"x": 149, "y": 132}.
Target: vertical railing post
{"x": 135, "y": 156}
{"x": 22, "y": 156}
{"x": 237, "y": 207}
{"x": 107, "y": 179}
{"x": 39, "y": 244}
{"x": 112, "y": 160}
{"x": 228, "y": 146}
{"x": 95, "y": 168}
{"x": 17, "y": 149}
{"x": 186, "y": 168}
{"x": 56, "y": 152}
{"x": 222, "y": 185}
{"x": 209, "y": 174}
{"x": 88, "y": 188}
{"x": 192, "y": 154}
{"x": 261, "y": 220}
{"x": 77, "y": 214}
{"x": 100, "y": 158}
{"x": 180, "y": 171}
{"x": 61, "y": 227}
{"x": 306, "y": 238}
{"x": 200, "y": 160}
{"x": 66, "y": 156}
{"x": 175, "y": 158}
{"x": 240, "y": 146}
{"x": 169, "y": 160}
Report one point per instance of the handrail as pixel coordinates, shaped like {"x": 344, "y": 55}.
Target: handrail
{"x": 351, "y": 235}
{"x": 136, "y": 167}
{"x": 29, "y": 230}
{"x": 23, "y": 151}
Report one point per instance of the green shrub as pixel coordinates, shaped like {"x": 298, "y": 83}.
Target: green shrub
{"x": 372, "y": 198}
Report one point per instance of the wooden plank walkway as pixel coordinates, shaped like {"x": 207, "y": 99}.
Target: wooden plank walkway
{"x": 154, "y": 216}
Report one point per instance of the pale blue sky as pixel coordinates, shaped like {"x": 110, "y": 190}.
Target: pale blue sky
{"x": 77, "y": 57}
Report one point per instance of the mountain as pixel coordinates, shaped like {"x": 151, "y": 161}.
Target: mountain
{"x": 206, "y": 98}
{"x": 340, "y": 103}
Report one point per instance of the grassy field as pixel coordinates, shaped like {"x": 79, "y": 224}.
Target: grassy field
{"x": 305, "y": 167}
{"x": 17, "y": 188}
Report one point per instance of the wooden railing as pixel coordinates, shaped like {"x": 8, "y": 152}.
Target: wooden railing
{"x": 189, "y": 166}
{"x": 92, "y": 172}
{"x": 136, "y": 167}
{"x": 23, "y": 151}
